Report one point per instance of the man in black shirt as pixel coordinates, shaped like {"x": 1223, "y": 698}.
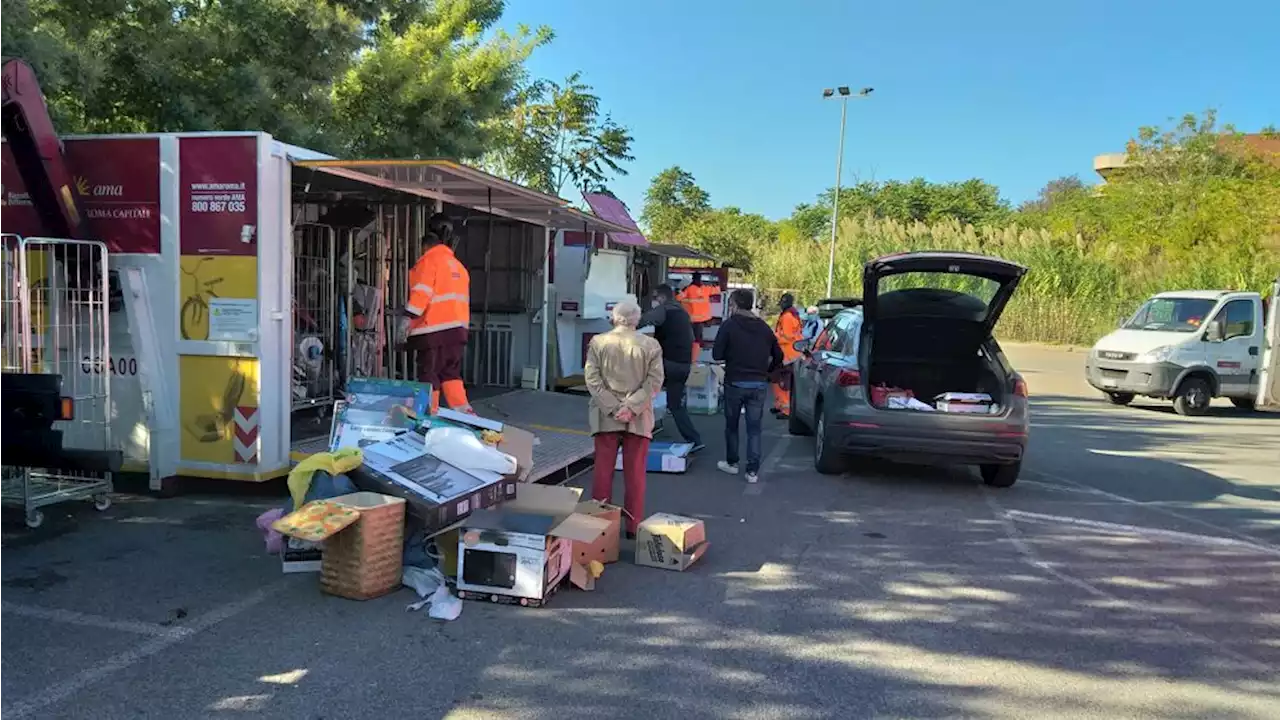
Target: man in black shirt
{"x": 750, "y": 353}
{"x": 674, "y": 332}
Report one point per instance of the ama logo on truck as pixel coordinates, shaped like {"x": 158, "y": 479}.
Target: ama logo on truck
{"x": 118, "y": 180}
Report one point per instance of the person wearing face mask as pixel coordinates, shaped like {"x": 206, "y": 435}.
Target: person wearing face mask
{"x": 696, "y": 299}
{"x": 674, "y": 332}
{"x": 750, "y": 353}
{"x": 789, "y": 329}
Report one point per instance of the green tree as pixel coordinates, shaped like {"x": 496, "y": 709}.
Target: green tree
{"x": 388, "y": 77}
{"x": 973, "y": 201}
{"x": 672, "y": 203}
{"x": 555, "y": 134}
{"x": 1056, "y": 191}
{"x": 730, "y": 235}
{"x": 429, "y": 90}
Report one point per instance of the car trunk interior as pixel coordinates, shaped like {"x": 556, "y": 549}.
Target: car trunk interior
{"x": 931, "y": 356}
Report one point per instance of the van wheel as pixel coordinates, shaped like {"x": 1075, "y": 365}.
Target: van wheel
{"x": 1001, "y": 476}
{"x": 1119, "y": 398}
{"x": 1244, "y": 403}
{"x": 1193, "y": 397}
{"x": 826, "y": 459}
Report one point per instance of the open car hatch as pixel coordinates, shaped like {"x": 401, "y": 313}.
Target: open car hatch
{"x": 1000, "y": 275}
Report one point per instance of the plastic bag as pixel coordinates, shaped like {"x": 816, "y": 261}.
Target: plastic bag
{"x": 462, "y": 449}
{"x": 430, "y": 585}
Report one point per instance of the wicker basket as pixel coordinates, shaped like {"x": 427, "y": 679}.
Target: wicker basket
{"x": 364, "y": 560}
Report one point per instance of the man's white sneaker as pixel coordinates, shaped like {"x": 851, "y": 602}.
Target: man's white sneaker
{"x": 752, "y": 477}
{"x": 725, "y": 467}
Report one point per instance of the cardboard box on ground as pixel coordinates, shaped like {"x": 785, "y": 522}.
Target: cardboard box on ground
{"x": 521, "y": 551}
{"x": 397, "y": 463}
{"x": 438, "y": 493}
{"x": 670, "y": 542}
{"x": 664, "y": 457}
{"x": 703, "y": 389}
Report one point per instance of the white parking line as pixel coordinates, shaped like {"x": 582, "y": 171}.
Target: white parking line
{"x": 59, "y": 692}
{"x": 1031, "y": 557}
{"x": 95, "y": 621}
{"x": 1130, "y": 501}
{"x": 1139, "y": 530}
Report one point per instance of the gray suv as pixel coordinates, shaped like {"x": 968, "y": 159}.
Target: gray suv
{"x": 924, "y": 326}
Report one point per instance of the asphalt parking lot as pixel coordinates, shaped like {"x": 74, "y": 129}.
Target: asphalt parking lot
{"x": 1134, "y": 571}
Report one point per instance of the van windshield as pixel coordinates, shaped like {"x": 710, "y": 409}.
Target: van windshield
{"x": 1171, "y": 314}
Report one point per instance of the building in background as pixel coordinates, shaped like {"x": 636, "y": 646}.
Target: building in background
{"x": 1110, "y": 165}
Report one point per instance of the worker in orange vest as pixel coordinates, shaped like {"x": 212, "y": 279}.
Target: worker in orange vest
{"x": 788, "y": 330}
{"x": 439, "y": 315}
{"x": 696, "y": 300}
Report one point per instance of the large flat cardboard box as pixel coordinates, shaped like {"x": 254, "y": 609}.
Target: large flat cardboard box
{"x": 437, "y": 493}
{"x": 670, "y": 542}
{"x": 520, "y": 552}
{"x": 664, "y": 456}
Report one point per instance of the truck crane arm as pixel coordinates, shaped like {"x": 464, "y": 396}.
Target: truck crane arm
{"x": 37, "y": 151}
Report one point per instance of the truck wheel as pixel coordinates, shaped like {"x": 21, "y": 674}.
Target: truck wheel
{"x": 1118, "y": 398}
{"x": 1244, "y": 403}
{"x": 826, "y": 459}
{"x": 1193, "y": 397}
{"x": 1001, "y": 476}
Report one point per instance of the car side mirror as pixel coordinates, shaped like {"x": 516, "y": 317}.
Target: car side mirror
{"x": 1213, "y": 332}
{"x": 801, "y": 346}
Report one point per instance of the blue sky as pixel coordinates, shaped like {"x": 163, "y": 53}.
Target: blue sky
{"x": 1016, "y": 93}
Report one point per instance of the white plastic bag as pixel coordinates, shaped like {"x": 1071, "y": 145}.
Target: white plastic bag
{"x": 462, "y": 449}
{"x": 430, "y": 585}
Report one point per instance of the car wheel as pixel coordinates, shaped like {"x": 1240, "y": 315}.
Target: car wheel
{"x": 1193, "y": 397}
{"x": 1116, "y": 398}
{"x": 796, "y": 426}
{"x": 1244, "y": 403}
{"x": 1001, "y": 476}
{"x": 826, "y": 459}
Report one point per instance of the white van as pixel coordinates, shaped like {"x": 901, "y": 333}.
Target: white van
{"x": 1192, "y": 346}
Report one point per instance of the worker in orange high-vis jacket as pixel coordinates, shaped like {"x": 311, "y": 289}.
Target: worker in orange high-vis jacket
{"x": 439, "y": 314}
{"x": 788, "y": 330}
{"x": 696, "y": 299}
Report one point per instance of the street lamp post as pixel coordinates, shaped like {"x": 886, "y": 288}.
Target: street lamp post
{"x": 844, "y": 94}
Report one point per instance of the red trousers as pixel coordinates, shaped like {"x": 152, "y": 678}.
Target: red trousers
{"x": 635, "y": 450}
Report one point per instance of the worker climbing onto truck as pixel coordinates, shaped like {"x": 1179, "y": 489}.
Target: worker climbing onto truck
{"x": 696, "y": 300}
{"x": 438, "y": 315}
{"x": 788, "y": 330}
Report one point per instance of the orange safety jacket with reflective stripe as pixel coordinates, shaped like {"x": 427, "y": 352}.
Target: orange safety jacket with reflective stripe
{"x": 788, "y": 330}
{"x": 439, "y": 292}
{"x": 696, "y": 300}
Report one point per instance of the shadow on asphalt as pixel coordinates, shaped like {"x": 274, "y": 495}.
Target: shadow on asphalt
{"x": 895, "y": 591}
{"x": 1111, "y": 440}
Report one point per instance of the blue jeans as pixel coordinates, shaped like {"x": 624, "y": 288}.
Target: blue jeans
{"x": 737, "y": 397}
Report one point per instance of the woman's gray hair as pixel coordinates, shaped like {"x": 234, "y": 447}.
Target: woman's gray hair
{"x": 626, "y": 313}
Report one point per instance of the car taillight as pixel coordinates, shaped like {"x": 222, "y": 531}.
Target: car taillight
{"x": 849, "y": 378}
{"x": 1020, "y": 387}
{"x": 67, "y": 409}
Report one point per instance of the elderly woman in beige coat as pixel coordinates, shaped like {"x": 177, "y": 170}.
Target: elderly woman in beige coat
{"x": 623, "y": 374}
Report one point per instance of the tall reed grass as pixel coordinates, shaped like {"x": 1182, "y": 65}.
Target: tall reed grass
{"x": 1074, "y": 292}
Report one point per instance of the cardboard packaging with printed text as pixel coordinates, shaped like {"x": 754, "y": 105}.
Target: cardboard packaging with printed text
{"x": 670, "y": 542}
{"x": 439, "y": 494}
{"x": 520, "y": 552}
